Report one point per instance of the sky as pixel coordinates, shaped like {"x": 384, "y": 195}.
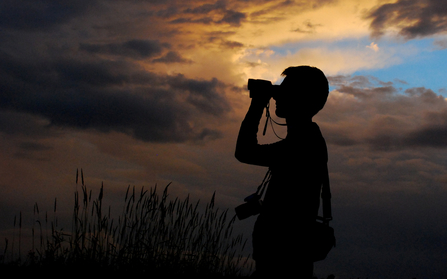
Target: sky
{"x": 153, "y": 92}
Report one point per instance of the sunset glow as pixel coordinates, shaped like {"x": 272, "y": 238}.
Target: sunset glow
{"x": 152, "y": 92}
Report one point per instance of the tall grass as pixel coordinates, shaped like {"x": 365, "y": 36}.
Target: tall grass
{"x": 152, "y": 234}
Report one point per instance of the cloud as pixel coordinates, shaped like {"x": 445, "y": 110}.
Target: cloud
{"x": 206, "y": 8}
{"x": 232, "y": 44}
{"x": 307, "y": 28}
{"x": 133, "y": 48}
{"x": 364, "y": 111}
{"x": 433, "y": 133}
{"x": 411, "y": 18}
{"x": 233, "y": 17}
{"x": 40, "y": 14}
{"x": 137, "y": 49}
{"x": 111, "y": 95}
{"x": 331, "y": 60}
{"x": 373, "y": 46}
{"x": 172, "y": 57}
{"x": 24, "y": 124}
{"x": 440, "y": 44}
{"x": 203, "y": 20}
{"x": 210, "y": 13}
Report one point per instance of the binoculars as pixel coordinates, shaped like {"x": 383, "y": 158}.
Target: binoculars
{"x": 261, "y": 87}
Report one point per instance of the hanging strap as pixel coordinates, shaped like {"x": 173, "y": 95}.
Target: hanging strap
{"x": 261, "y": 188}
{"x": 268, "y": 119}
{"x": 325, "y": 194}
{"x": 264, "y": 183}
{"x": 326, "y": 197}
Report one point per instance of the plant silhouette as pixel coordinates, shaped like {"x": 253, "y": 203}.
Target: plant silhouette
{"x": 154, "y": 235}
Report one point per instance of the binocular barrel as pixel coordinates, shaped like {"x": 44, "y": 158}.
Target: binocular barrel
{"x": 261, "y": 87}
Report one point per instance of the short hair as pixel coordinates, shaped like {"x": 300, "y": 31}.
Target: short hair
{"x": 312, "y": 81}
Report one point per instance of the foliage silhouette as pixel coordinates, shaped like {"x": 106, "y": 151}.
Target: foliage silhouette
{"x": 153, "y": 235}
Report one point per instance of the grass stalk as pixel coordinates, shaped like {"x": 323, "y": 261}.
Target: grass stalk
{"x": 153, "y": 233}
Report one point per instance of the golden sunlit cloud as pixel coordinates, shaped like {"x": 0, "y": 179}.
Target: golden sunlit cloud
{"x": 335, "y": 21}
{"x": 331, "y": 61}
{"x": 235, "y": 53}
{"x": 373, "y": 46}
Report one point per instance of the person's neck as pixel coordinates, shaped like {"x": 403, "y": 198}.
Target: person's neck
{"x": 295, "y": 125}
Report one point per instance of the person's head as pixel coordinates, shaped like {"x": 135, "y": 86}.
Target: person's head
{"x": 303, "y": 92}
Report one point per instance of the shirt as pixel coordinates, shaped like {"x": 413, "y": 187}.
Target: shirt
{"x": 297, "y": 164}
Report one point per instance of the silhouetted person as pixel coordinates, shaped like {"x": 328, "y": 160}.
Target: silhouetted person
{"x": 298, "y": 164}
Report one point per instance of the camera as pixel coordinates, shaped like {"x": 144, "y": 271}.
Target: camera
{"x": 261, "y": 87}
{"x": 252, "y": 206}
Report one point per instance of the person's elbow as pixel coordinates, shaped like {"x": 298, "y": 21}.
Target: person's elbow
{"x": 244, "y": 155}
{"x": 240, "y": 155}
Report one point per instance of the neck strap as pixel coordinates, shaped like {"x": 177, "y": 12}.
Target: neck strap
{"x": 326, "y": 197}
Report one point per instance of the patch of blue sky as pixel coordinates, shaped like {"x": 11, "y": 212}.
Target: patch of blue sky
{"x": 425, "y": 68}
{"x": 420, "y": 62}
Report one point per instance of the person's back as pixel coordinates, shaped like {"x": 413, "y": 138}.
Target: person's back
{"x": 297, "y": 165}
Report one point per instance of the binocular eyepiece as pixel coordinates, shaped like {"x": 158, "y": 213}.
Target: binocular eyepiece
{"x": 261, "y": 87}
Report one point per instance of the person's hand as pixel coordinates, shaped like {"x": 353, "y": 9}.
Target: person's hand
{"x": 261, "y": 100}
{"x": 260, "y": 91}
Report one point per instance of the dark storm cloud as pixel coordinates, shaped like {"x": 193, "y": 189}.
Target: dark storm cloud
{"x": 172, "y": 57}
{"x": 137, "y": 49}
{"x": 413, "y": 18}
{"x": 232, "y": 44}
{"x": 33, "y": 146}
{"x": 202, "y": 94}
{"x": 233, "y": 18}
{"x": 108, "y": 95}
{"x": 433, "y": 133}
{"x": 215, "y": 13}
{"x": 25, "y": 124}
{"x": 40, "y": 14}
{"x": 132, "y": 48}
{"x": 204, "y": 20}
{"x": 379, "y": 115}
{"x": 207, "y": 8}
{"x": 219, "y": 38}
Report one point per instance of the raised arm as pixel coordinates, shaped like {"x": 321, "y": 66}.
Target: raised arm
{"x": 247, "y": 148}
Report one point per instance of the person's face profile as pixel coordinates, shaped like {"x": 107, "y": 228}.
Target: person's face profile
{"x": 284, "y": 104}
